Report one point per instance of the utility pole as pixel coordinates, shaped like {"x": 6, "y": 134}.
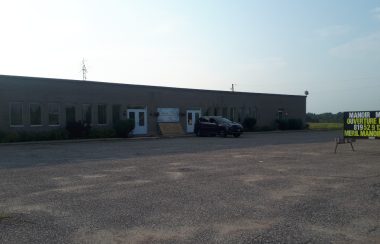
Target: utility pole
{"x": 84, "y": 70}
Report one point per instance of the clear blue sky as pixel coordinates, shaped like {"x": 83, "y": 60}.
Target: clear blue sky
{"x": 330, "y": 48}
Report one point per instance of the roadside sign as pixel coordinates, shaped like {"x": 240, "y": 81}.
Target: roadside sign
{"x": 362, "y": 124}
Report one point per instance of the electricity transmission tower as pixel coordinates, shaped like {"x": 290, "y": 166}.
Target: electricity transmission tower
{"x": 84, "y": 70}
{"x": 233, "y": 87}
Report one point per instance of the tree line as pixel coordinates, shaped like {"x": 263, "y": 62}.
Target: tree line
{"x": 324, "y": 118}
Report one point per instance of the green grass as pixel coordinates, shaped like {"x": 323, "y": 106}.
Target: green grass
{"x": 325, "y": 126}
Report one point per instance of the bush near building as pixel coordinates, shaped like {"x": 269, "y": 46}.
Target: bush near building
{"x": 73, "y": 130}
{"x": 124, "y": 127}
{"x": 97, "y": 133}
{"x": 290, "y": 124}
{"x": 249, "y": 123}
{"x": 59, "y": 134}
{"x": 78, "y": 129}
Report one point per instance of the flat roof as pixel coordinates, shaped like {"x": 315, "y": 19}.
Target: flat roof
{"x": 88, "y": 82}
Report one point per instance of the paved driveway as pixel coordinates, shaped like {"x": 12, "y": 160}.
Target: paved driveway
{"x": 260, "y": 188}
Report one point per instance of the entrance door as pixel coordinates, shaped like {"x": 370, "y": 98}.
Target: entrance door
{"x": 192, "y": 116}
{"x": 140, "y": 118}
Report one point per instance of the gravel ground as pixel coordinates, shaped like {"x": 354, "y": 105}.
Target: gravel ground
{"x": 260, "y": 188}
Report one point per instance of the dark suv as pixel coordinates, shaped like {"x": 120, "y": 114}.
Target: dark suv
{"x": 216, "y": 125}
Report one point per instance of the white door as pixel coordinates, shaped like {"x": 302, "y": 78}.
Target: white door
{"x": 140, "y": 118}
{"x": 192, "y": 116}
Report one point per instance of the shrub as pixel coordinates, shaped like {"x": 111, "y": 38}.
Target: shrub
{"x": 22, "y": 136}
{"x": 249, "y": 124}
{"x": 11, "y": 137}
{"x": 78, "y": 129}
{"x": 59, "y": 134}
{"x": 295, "y": 124}
{"x": 2, "y": 136}
{"x": 124, "y": 127}
{"x": 290, "y": 124}
{"x": 102, "y": 133}
{"x": 282, "y": 124}
{"x": 266, "y": 128}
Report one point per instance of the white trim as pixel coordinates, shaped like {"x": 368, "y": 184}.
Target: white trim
{"x": 16, "y": 126}
{"x": 58, "y": 125}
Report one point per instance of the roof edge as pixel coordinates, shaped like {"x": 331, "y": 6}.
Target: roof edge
{"x": 127, "y": 84}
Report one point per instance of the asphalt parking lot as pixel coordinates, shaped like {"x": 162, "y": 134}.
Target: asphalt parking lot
{"x": 260, "y": 188}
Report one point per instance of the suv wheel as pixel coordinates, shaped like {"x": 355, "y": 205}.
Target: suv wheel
{"x": 236, "y": 135}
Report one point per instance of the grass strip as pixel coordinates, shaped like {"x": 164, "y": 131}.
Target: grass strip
{"x": 325, "y": 126}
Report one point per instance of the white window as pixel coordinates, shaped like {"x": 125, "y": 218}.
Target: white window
{"x": 53, "y": 113}
{"x": 16, "y": 114}
{"x": 35, "y": 114}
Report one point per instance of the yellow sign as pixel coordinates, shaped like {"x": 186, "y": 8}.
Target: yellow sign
{"x": 365, "y": 125}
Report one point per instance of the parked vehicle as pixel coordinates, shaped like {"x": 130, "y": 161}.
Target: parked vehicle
{"x": 217, "y": 125}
